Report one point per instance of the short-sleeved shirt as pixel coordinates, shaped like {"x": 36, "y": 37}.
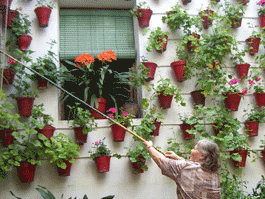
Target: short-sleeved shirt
{"x": 193, "y": 182}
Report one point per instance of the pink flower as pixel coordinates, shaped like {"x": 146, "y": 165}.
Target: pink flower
{"x": 234, "y": 81}
{"x": 125, "y": 114}
{"x": 111, "y": 115}
{"x": 257, "y": 79}
{"x": 244, "y": 92}
{"x": 11, "y": 61}
{"x": 250, "y": 82}
{"x": 97, "y": 143}
{"x": 261, "y": 2}
{"x": 113, "y": 110}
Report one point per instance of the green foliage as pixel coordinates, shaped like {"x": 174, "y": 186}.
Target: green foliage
{"x": 232, "y": 12}
{"x": 256, "y": 114}
{"x": 21, "y": 25}
{"x": 45, "y": 3}
{"x": 38, "y": 118}
{"x": 99, "y": 148}
{"x": 120, "y": 116}
{"x": 141, "y": 5}
{"x": 259, "y": 191}
{"x": 156, "y": 40}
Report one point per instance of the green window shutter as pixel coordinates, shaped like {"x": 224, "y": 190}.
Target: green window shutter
{"x": 94, "y": 31}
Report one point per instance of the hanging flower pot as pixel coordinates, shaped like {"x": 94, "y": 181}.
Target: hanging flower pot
{"x": 192, "y": 47}
{"x": 24, "y": 42}
{"x": 47, "y": 131}
{"x": 165, "y": 101}
{"x": 118, "y": 133}
{"x": 198, "y": 97}
{"x": 178, "y": 68}
{"x": 242, "y": 70}
{"x": 7, "y": 137}
{"x": 252, "y": 128}
{"x": 43, "y": 15}
{"x": 26, "y": 172}
{"x": 143, "y": 16}
{"x": 25, "y": 105}
{"x": 3, "y": 4}
{"x": 232, "y": 101}
{"x": 103, "y": 163}
{"x": 254, "y": 44}
{"x": 137, "y": 166}
{"x": 244, "y": 2}
{"x": 80, "y": 137}
{"x": 66, "y": 171}
{"x": 236, "y": 23}
{"x": 11, "y": 14}
{"x": 243, "y": 154}
{"x": 42, "y": 83}
{"x": 185, "y": 2}
{"x": 260, "y": 99}
{"x": 206, "y": 22}
{"x": 9, "y": 76}
{"x": 156, "y": 131}
{"x": 152, "y": 67}
{"x": 184, "y": 128}
{"x": 261, "y": 21}
{"x": 102, "y": 103}
{"x": 164, "y": 45}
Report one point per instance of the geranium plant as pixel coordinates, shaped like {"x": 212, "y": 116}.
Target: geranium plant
{"x": 98, "y": 149}
{"x": 255, "y": 114}
{"x": 121, "y": 117}
{"x": 261, "y": 10}
{"x": 232, "y": 86}
{"x": 255, "y": 81}
{"x": 157, "y": 39}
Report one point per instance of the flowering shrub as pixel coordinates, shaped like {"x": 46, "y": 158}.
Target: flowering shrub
{"x": 123, "y": 118}
{"x": 84, "y": 60}
{"x": 261, "y": 10}
{"x": 232, "y": 86}
{"x": 99, "y": 148}
{"x": 107, "y": 56}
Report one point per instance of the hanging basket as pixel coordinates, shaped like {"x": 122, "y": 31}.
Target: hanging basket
{"x": 137, "y": 165}
{"x": 156, "y": 131}
{"x": 178, "y": 68}
{"x": 152, "y": 67}
{"x": 43, "y": 15}
{"x": 144, "y": 16}
{"x": 261, "y": 21}
{"x": 232, "y": 101}
{"x": 242, "y": 70}
{"x": 26, "y": 172}
{"x": 198, "y": 97}
{"x": 7, "y": 137}
{"x": 103, "y": 163}
{"x": 42, "y": 83}
{"x": 260, "y": 99}
{"x": 9, "y": 76}
{"x": 206, "y": 23}
{"x": 47, "y": 131}
{"x": 25, "y": 105}
{"x": 184, "y": 128}
{"x": 3, "y": 4}
{"x": 236, "y": 23}
{"x": 24, "y": 42}
{"x": 165, "y": 101}
{"x": 80, "y": 137}
{"x": 118, "y": 133}
{"x": 66, "y": 171}
{"x": 102, "y": 103}
{"x": 243, "y": 154}
{"x": 252, "y": 128}
{"x": 11, "y": 14}
{"x": 254, "y": 44}
{"x": 192, "y": 47}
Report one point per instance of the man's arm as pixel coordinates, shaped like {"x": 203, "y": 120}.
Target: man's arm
{"x": 156, "y": 156}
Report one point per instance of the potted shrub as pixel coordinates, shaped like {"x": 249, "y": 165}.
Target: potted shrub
{"x": 258, "y": 85}
{"x": 61, "y": 151}
{"x": 149, "y": 65}
{"x": 157, "y": 40}
{"x": 239, "y": 156}
{"x": 233, "y": 14}
{"x": 83, "y": 123}
{"x": 143, "y": 14}
{"x": 241, "y": 66}
{"x": 261, "y": 13}
{"x": 43, "y": 10}
{"x": 188, "y": 126}
{"x": 207, "y": 17}
{"x": 253, "y": 42}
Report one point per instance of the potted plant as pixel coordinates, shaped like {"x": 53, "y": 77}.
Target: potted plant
{"x": 83, "y": 123}
{"x": 185, "y": 2}
{"x": 61, "y": 151}
{"x": 233, "y": 14}
{"x": 241, "y": 66}
{"x": 43, "y": 12}
{"x": 157, "y": 40}
{"x": 188, "y": 126}
{"x": 207, "y": 17}
{"x": 143, "y": 14}
{"x": 258, "y": 85}
{"x": 10, "y": 15}
{"x": 10, "y": 72}
{"x": 261, "y": 13}
{"x": 253, "y": 42}
{"x": 5, "y": 4}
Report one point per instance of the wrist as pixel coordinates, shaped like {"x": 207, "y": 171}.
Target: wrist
{"x": 149, "y": 146}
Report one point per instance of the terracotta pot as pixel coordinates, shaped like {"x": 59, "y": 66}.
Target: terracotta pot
{"x": 66, "y": 171}
{"x": 260, "y": 99}
{"x": 216, "y": 131}
{"x": 43, "y": 15}
{"x": 143, "y": 16}
{"x": 47, "y": 131}
{"x": 164, "y": 45}
{"x": 262, "y": 21}
{"x": 236, "y": 23}
{"x": 137, "y": 165}
{"x": 24, "y": 42}
{"x": 9, "y": 76}
{"x": 198, "y": 97}
{"x": 178, "y": 68}
{"x": 118, "y": 133}
{"x": 244, "y": 2}
{"x": 156, "y": 131}
{"x": 165, "y": 101}
{"x": 185, "y": 2}
{"x": 11, "y": 14}
{"x": 25, "y": 105}
{"x": 243, "y": 154}
{"x": 152, "y": 67}
{"x": 102, "y": 163}
{"x": 42, "y": 83}
{"x": 80, "y": 137}
{"x": 192, "y": 47}
{"x": 7, "y": 137}
{"x": 102, "y": 103}
{"x": 252, "y": 128}
{"x": 3, "y": 4}
{"x": 232, "y": 101}
{"x": 242, "y": 70}
{"x": 184, "y": 128}
{"x": 254, "y": 43}
{"x": 26, "y": 172}
{"x": 206, "y": 21}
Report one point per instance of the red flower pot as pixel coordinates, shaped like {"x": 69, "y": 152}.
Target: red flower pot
{"x": 254, "y": 43}
{"x": 165, "y": 100}
{"x": 42, "y": 83}
{"x": 262, "y": 21}
{"x": 243, "y": 154}
{"x": 260, "y": 99}
{"x": 118, "y": 133}
{"x": 143, "y": 16}
{"x": 252, "y": 128}
{"x": 156, "y": 131}
{"x": 178, "y": 68}
{"x": 80, "y": 137}
{"x": 242, "y": 70}
{"x": 198, "y": 97}
{"x": 9, "y": 76}
{"x": 47, "y": 131}
{"x": 263, "y": 154}
{"x": 3, "y": 4}
{"x": 26, "y": 172}
{"x": 137, "y": 165}
{"x": 25, "y": 105}
{"x": 43, "y": 15}
{"x": 7, "y": 137}
{"x": 66, "y": 171}
{"x": 244, "y": 2}
{"x": 206, "y": 21}
{"x": 184, "y": 128}
{"x": 236, "y": 23}
{"x": 11, "y": 14}
{"x": 192, "y": 47}
{"x": 152, "y": 67}
{"x": 185, "y": 2}
{"x": 103, "y": 163}
{"x": 232, "y": 101}
{"x": 24, "y": 42}
{"x": 102, "y": 103}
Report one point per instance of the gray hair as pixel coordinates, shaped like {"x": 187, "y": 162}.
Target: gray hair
{"x": 211, "y": 152}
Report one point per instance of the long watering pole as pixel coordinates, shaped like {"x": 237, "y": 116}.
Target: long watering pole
{"x": 62, "y": 89}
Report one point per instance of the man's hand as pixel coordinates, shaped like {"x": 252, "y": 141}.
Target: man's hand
{"x": 172, "y": 155}
{"x": 148, "y": 144}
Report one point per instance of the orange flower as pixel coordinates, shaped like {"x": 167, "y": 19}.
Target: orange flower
{"x": 107, "y": 56}
{"x": 84, "y": 60}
